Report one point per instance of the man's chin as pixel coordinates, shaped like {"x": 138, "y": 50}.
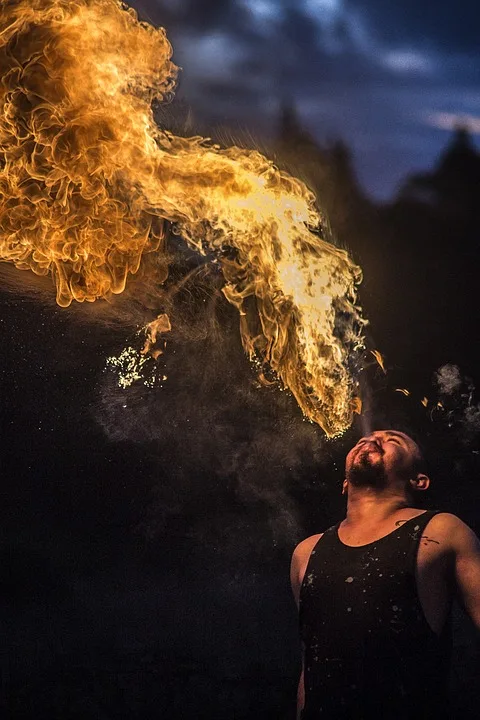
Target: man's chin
{"x": 367, "y": 474}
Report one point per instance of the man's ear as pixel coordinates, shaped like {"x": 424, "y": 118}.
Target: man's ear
{"x": 345, "y": 487}
{"x": 421, "y": 482}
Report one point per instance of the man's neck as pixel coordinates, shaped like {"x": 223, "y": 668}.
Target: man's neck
{"x": 370, "y": 506}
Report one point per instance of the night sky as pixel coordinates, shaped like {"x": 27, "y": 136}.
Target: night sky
{"x": 146, "y": 532}
{"x": 391, "y": 78}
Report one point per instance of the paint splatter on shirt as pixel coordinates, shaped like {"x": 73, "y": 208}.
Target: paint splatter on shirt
{"x": 369, "y": 651}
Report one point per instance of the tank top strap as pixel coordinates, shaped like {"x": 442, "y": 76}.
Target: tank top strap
{"x": 415, "y": 528}
{"x": 329, "y": 538}
{"x": 423, "y": 520}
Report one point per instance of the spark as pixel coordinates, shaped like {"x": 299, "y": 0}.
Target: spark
{"x": 379, "y": 358}
{"x": 129, "y": 366}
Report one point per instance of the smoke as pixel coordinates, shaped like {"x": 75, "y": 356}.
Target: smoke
{"x": 231, "y": 454}
{"x": 457, "y": 399}
{"x": 448, "y": 379}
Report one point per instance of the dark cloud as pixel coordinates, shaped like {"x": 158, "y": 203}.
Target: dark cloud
{"x": 201, "y": 15}
{"x": 371, "y": 72}
{"x": 443, "y": 25}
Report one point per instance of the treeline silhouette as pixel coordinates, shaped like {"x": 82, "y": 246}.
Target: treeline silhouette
{"x": 419, "y": 252}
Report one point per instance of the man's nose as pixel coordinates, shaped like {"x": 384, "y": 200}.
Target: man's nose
{"x": 374, "y": 437}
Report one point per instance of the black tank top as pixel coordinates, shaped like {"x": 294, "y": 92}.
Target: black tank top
{"x": 369, "y": 650}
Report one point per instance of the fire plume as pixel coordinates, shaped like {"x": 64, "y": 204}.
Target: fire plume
{"x": 88, "y": 180}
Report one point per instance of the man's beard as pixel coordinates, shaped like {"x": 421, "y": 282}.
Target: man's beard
{"x": 364, "y": 473}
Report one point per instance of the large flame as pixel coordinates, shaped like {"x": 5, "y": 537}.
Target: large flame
{"x": 87, "y": 180}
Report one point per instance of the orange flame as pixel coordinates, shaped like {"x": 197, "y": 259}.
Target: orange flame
{"x": 357, "y": 405}
{"x": 87, "y": 180}
{"x": 379, "y": 358}
{"x": 154, "y": 329}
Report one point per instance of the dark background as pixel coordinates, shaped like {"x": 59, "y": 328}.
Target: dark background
{"x": 146, "y": 533}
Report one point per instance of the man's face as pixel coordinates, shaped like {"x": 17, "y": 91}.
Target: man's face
{"x": 380, "y": 459}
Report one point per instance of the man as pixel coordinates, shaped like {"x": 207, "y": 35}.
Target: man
{"x": 374, "y": 593}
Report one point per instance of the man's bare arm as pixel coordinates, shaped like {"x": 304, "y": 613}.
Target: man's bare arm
{"x": 298, "y": 567}
{"x": 300, "y": 695}
{"x": 466, "y": 547}
{"x": 299, "y": 564}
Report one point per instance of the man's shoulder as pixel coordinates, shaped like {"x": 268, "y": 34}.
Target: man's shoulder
{"x": 305, "y": 547}
{"x": 446, "y": 520}
{"x": 450, "y": 527}
{"x": 300, "y": 558}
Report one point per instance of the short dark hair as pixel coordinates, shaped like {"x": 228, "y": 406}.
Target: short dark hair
{"x": 419, "y": 463}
